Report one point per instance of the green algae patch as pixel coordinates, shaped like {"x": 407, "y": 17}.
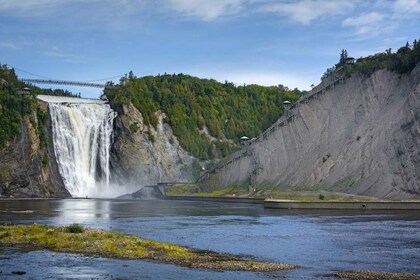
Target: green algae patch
{"x": 375, "y": 275}
{"x": 110, "y": 244}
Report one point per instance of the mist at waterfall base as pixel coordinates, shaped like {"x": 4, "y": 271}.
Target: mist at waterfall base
{"x": 82, "y": 137}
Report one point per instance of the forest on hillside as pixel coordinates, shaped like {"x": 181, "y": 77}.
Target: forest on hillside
{"x": 191, "y": 104}
{"x": 402, "y": 61}
{"x": 13, "y": 106}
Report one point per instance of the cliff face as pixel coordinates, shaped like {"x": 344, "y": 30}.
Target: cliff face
{"x": 143, "y": 155}
{"x": 361, "y": 137}
{"x": 26, "y": 169}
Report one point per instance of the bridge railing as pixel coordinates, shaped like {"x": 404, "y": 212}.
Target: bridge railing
{"x": 283, "y": 121}
{"x": 67, "y": 83}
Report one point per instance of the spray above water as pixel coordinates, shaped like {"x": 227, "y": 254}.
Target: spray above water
{"x": 82, "y": 135}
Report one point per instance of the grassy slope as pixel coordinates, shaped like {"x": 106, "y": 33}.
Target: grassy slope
{"x": 267, "y": 192}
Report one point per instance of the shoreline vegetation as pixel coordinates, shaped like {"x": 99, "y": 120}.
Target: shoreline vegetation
{"x": 271, "y": 193}
{"x": 76, "y": 239}
{"x": 110, "y": 244}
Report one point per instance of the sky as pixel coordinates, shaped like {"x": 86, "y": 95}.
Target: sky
{"x": 266, "y": 42}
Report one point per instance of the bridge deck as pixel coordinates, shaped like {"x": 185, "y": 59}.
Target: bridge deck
{"x": 67, "y": 83}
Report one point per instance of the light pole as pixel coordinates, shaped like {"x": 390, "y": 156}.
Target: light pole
{"x": 286, "y": 105}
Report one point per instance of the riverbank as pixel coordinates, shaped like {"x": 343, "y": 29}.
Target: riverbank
{"x": 331, "y": 205}
{"x": 225, "y": 199}
{"x": 318, "y": 204}
{"x": 375, "y": 275}
{"x": 320, "y": 242}
{"x": 109, "y": 244}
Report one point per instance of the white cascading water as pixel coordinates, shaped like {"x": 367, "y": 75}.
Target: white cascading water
{"x": 82, "y": 135}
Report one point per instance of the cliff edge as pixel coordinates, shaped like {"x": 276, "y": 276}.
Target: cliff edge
{"x": 28, "y": 168}
{"x": 360, "y": 137}
{"x": 144, "y": 155}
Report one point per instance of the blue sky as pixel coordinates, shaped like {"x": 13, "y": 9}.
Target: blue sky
{"x": 266, "y": 42}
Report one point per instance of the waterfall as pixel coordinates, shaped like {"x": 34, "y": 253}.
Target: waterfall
{"x": 82, "y": 136}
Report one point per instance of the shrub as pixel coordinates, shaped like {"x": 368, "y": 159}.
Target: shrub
{"x": 151, "y": 137}
{"x": 74, "y": 228}
{"x": 45, "y": 159}
{"x": 134, "y": 128}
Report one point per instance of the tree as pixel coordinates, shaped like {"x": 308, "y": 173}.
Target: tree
{"x": 131, "y": 75}
{"x": 192, "y": 104}
{"x": 343, "y": 56}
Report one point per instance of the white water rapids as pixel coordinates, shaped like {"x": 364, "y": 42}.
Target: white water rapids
{"x": 82, "y": 135}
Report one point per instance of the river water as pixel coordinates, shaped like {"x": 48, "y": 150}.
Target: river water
{"x": 321, "y": 242}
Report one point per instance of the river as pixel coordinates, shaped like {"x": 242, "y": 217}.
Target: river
{"x": 319, "y": 242}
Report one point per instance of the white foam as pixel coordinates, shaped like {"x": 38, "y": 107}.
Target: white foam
{"x": 72, "y": 100}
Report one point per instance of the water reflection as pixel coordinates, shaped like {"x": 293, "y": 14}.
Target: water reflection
{"x": 84, "y": 211}
{"x": 320, "y": 242}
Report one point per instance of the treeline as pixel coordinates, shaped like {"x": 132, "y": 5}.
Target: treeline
{"x": 193, "y": 105}
{"x": 402, "y": 61}
{"x": 13, "y": 106}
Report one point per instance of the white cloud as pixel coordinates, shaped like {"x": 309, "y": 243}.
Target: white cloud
{"x": 407, "y": 6}
{"x": 69, "y": 9}
{"x": 30, "y": 7}
{"x": 369, "y": 23}
{"x": 207, "y": 10}
{"x": 306, "y": 11}
{"x": 66, "y": 57}
{"x": 9, "y": 45}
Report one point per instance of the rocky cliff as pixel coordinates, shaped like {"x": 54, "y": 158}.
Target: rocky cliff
{"x": 143, "y": 155}
{"x": 26, "y": 168}
{"x": 360, "y": 137}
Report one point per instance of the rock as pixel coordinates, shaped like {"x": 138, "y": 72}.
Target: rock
{"x": 361, "y": 137}
{"x": 145, "y": 193}
{"x": 26, "y": 168}
{"x": 19, "y": 272}
{"x": 144, "y": 155}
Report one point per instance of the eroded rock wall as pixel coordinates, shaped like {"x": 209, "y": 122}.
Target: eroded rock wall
{"x": 26, "y": 168}
{"x": 143, "y": 155}
{"x": 362, "y": 137}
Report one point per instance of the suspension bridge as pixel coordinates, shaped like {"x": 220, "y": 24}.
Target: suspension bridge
{"x": 67, "y": 83}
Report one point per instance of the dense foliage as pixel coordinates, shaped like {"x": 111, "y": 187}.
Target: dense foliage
{"x": 193, "y": 105}
{"x": 13, "y": 106}
{"x": 402, "y": 61}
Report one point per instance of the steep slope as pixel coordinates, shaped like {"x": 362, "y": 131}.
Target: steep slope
{"x": 207, "y": 117}
{"x": 361, "y": 137}
{"x": 143, "y": 155}
{"x": 27, "y": 167}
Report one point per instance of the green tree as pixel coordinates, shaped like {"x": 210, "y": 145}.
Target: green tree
{"x": 191, "y": 104}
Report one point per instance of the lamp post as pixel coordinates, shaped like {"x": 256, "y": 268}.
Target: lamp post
{"x": 243, "y": 139}
{"x": 24, "y": 93}
{"x": 286, "y": 105}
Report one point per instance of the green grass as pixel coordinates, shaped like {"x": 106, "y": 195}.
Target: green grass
{"x": 194, "y": 190}
{"x": 96, "y": 242}
{"x": 230, "y": 191}
{"x": 183, "y": 189}
{"x": 74, "y": 228}
{"x": 315, "y": 194}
